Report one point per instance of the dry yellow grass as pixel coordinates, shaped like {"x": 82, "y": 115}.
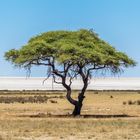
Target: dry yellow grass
{"x": 31, "y": 122}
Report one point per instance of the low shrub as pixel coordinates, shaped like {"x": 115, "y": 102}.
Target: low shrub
{"x": 53, "y": 101}
{"x": 130, "y": 102}
{"x": 26, "y": 99}
{"x": 137, "y": 102}
{"x": 124, "y": 103}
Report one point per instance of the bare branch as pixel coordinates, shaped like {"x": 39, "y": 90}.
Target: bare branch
{"x": 72, "y": 77}
{"x": 54, "y": 79}
{"x": 46, "y": 78}
{"x": 95, "y": 68}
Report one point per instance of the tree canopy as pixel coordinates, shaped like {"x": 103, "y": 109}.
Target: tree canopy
{"x": 82, "y": 47}
{"x": 69, "y": 54}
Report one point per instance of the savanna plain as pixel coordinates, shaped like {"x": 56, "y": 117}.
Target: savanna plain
{"x": 45, "y": 115}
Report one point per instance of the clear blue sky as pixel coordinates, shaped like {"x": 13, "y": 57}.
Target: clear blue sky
{"x": 116, "y": 21}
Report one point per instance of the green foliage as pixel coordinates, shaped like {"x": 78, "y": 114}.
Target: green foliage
{"x": 82, "y": 47}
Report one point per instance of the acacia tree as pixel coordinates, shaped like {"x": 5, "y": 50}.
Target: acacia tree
{"x": 70, "y": 54}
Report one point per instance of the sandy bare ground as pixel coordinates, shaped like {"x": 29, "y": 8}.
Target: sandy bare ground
{"x": 105, "y": 116}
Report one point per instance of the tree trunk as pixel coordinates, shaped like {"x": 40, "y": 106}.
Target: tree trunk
{"x": 70, "y": 99}
{"x": 78, "y": 105}
{"x": 77, "y": 109}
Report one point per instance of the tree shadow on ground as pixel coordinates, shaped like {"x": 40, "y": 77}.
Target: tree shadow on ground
{"x": 42, "y": 115}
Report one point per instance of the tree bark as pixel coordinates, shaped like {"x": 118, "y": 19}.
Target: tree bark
{"x": 70, "y": 99}
{"x": 78, "y": 105}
